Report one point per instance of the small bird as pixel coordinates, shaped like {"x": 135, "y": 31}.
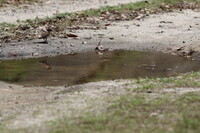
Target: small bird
{"x": 100, "y": 47}
{"x": 45, "y": 34}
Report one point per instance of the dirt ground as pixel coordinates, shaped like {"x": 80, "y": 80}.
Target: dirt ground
{"x": 20, "y": 105}
{"x": 162, "y": 32}
{"x": 49, "y": 8}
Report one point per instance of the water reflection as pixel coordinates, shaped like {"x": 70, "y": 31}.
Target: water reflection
{"x": 86, "y": 67}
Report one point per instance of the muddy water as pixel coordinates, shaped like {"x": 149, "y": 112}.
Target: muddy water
{"x": 87, "y": 67}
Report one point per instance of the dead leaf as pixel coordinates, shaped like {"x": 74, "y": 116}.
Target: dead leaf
{"x": 139, "y": 17}
{"x": 79, "y": 13}
{"x": 107, "y": 24}
{"x": 72, "y": 35}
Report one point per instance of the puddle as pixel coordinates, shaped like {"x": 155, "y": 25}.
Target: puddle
{"x": 87, "y": 67}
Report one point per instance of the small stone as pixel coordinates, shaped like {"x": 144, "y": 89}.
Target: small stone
{"x": 84, "y": 42}
{"x": 149, "y": 91}
{"x": 35, "y": 54}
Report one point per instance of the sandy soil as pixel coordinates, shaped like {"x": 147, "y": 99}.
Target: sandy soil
{"x": 51, "y": 7}
{"x": 71, "y": 104}
{"x": 27, "y": 106}
{"x": 162, "y": 32}
{"x": 63, "y": 102}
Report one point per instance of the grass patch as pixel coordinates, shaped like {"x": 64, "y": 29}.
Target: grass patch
{"x": 144, "y": 112}
{"x": 3, "y": 26}
{"x": 125, "y": 8}
{"x": 137, "y": 111}
{"x": 185, "y": 80}
{"x": 3, "y": 129}
{"x": 140, "y": 113}
{"x": 2, "y": 2}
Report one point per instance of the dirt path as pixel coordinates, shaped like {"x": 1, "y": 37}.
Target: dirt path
{"x": 52, "y": 7}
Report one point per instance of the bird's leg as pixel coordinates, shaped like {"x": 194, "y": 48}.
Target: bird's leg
{"x": 45, "y": 39}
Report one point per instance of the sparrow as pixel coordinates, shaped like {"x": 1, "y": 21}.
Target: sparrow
{"x": 100, "y": 47}
{"x": 45, "y": 34}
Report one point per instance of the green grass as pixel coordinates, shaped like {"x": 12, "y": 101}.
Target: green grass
{"x": 185, "y": 80}
{"x": 140, "y": 113}
{"x": 124, "y": 8}
{"x": 153, "y": 4}
{"x": 143, "y": 112}
{"x": 6, "y": 25}
{"x": 2, "y": 1}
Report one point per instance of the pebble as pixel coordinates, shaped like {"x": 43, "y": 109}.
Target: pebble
{"x": 35, "y": 54}
{"x": 72, "y": 45}
{"x": 84, "y": 42}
